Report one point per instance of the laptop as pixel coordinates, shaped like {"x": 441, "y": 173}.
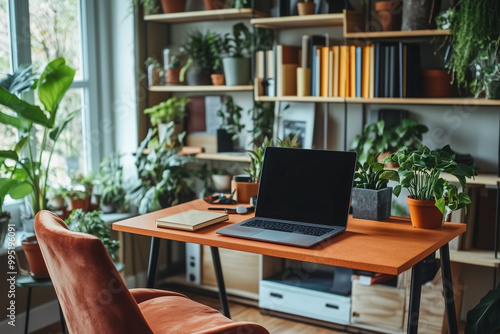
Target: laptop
{"x": 303, "y": 199}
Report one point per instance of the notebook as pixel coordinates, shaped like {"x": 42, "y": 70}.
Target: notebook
{"x": 191, "y": 220}
{"x": 300, "y": 190}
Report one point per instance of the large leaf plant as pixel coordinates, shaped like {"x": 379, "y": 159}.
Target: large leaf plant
{"x": 25, "y": 167}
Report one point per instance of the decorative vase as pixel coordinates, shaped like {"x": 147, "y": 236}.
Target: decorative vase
{"x": 172, "y": 76}
{"x": 237, "y": 71}
{"x": 437, "y": 83}
{"x": 245, "y": 191}
{"x": 493, "y": 90}
{"x": 173, "y": 6}
{"x": 224, "y": 141}
{"x": 371, "y": 204}
{"x": 218, "y": 79}
{"x": 196, "y": 76}
{"x": 306, "y": 8}
{"x": 214, "y": 4}
{"x": 424, "y": 214}
{"x": 31, "y": 248}
{"x": 222, "y": 183}
{"x": 389, "y": 13}
{"x": 419, "y": 14}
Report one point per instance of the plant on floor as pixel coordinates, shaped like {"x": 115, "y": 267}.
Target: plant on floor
{"x": 92, "y": 223}
{"x": 420, "y": 173}
{"x": 367, "y": 175}
{"x": 31, "y": 158}
{"x": 111, "y": 180}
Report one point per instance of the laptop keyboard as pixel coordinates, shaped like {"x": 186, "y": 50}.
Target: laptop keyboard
{"x": 288, "y": 227}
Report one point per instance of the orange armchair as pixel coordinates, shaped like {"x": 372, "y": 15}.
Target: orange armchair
{"x": 94, "y": 298}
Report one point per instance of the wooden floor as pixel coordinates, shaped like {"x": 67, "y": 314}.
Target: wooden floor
{"x": 239, "y": 312}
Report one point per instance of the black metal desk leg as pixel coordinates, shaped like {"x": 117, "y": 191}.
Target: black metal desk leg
{"x": 27, "y": 321}
{"x": 153, "y": 262}
{"x": 220, "y": 281}
{"x": 63, "y": 322}
{"x": 415, "y": 289}
{"x": 449, "y": 299}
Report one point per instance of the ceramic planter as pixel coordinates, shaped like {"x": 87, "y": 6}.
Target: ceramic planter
{"x": 389, "y": 13}
{"x": 218, "y": 79}
{"x": 237, "y": 71}
{"x": 306, "y": 8}
{"x": 437, "y": 83}
{"x": 245, "y": 191}
{"x": 172, "y": 76}
{"x": 493, "y": 90}
{"x": 424, "y": 214}
{"x": 214, "y": 4}
{"x": 371, "y": 204}
{"x": 31, "y": 248}
{"x": 196, "y": 76}
{"x": 419, "y": 14}
{"x": 173, "y": 6}
{"x": 224, "y": 141}
{"x": 222, "y": 183}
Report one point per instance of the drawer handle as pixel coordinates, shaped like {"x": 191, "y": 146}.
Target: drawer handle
{"x": 332, "y": 306}
{"x": 276, "y": 295}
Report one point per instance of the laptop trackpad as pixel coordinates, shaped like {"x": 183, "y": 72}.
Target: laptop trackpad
{"x": 271, "y": 235}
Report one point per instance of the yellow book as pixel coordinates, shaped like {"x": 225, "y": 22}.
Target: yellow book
{"x": 335, "y": 71}
{"x": 191, "y": 220}
{"x": 324, "y": 70}
{"x": 371, "y": 91}
{"x": 352, "y": 71}
{"x": 344, "y": 71}
{"x": 365, "y": 78}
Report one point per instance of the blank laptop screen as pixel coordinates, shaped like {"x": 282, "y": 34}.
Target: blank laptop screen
{"x": 312, "y": 186}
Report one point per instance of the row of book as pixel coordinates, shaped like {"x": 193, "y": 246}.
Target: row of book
{"x": 381, "y": 69}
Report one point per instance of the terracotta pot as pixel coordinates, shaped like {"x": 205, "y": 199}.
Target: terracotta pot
{"x": 424, "y": 214}
{"x": 173, "y": 6}
{"x": 31, "y": 248}
{"x": 437, "y": 83}
{"x": 389, "y": 13}
{"x": 245, "y": 191}
{"x": 218, "y": 79}
{"x": 306, "y": 8}
{"x": 79, "y": 204}
{"x": 172, "y": 76}
{"x": 214, "y": 4}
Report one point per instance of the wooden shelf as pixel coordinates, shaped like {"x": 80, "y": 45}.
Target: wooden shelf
{"x": 477, "y": 257}
{"x": 304, "y": 21}
{"x": 205, "y": 15}
{"x": 235, "y": 157}
{"x": 396, "y": 34}
{"x": 196, "y": 89}
{"x": 384, "y": 100}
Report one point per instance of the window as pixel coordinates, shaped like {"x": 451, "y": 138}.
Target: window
{"x": 57, "y": 28}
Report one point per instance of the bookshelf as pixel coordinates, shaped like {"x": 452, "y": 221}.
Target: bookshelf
{"x": 295, "y": 22}
{"x": 197, "y": 89}
{"x": 205, "y": 15}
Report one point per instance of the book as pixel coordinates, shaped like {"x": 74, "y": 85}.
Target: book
{"x": 352, "y": 71}
{"x": 366, "y": 72}
{"x": 285, "y": 54}
{"x": 376, "y": 278}
{"x": 335, "y": 70}
{"x": 377, "y": 71}
{"x": 359, "y": 67}
{"x": 371, "y": 90}
{"x": 344, "y": 70}
{"x": 324, "y": 71}
{"x": 191, "y": 220}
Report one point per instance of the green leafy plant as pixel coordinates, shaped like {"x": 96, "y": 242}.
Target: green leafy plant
{"x": 92, "y": 223}
{"x": 111, "y": 180}
{"x": 483, "y": 318}
{"x": 239, "y": 44}
{"x": 378, "y": 138}
{"x": 216, "y": 44}
{"x": 263, "y": 121}
{"x": 420, "y": 173}
{"x": 171, "y": 110}
{"x": 475, "y": 26}
{"x": 239, "y": 4}
{"x": 175, "y": 62}
{"x": 162, "y": 178}
{"x": 487, "y": 68}
{"x": 367, "y": 175}
{"x": 197, "y": 47}
{"x": 29, "y": 170}
{"x": 231, "y": 117}
{"x": 76, "y": 194}
{"x": 150, "y": 6}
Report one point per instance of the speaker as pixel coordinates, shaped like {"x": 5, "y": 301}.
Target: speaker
{"x": 193, "y": 263}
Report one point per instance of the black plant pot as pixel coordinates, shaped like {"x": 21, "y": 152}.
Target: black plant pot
{"x": 224, "y": 141}
{"x": 419, "y": 14}
{"x": 196, "y": 76}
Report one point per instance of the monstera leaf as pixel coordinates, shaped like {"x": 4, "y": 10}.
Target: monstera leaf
{"x": 485, "y": 317}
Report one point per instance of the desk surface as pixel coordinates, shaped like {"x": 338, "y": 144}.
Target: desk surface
{"x": 391, "y": 246}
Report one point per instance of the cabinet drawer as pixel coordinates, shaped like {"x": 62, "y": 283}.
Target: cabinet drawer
{"x": 304, "y": 302}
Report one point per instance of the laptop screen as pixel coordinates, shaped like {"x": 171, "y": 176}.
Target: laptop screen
{"x": 303, "y": 185}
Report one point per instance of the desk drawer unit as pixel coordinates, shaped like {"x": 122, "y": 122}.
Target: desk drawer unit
{"x": 320, "y": 305}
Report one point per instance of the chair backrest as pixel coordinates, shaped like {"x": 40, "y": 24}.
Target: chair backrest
{"x": 92, "y": 295}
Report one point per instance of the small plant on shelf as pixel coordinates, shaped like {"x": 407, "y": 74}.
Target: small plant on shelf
{"x": 171, "y": 110}
{"x": 231, "y": 117}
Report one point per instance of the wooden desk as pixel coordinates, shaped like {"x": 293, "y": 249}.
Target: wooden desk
{"x": 392, "y": 247}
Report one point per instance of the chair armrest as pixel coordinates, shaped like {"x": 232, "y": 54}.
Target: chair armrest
{"x": 141, "y": 295}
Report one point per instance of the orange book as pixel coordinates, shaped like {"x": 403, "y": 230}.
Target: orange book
{"x": 335, "y": 71}
{"x": 352, "y": 71}
{"x": 343, "y": 71}
{"x": 365, "y": 84}
{"x": 371, "y": 91}
{"x": 324, "y": 71}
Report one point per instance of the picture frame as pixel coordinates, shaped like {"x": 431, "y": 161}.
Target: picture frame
{"x": 298, "y": 118}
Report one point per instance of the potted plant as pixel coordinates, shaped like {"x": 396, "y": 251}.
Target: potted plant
{"x": 379, "y": 138}
{"x": 216, "y": 45}
{"x": 171, "y": 110}
{"x": 306, "y": 7}
{"x": 371, "y": 198}
{"x": 221, "y": 180}
{"x": 236, "y": 49}
{"x": 57, "y": 198}
{"x": 154, "y": 71}
{"x": 200, "y": 61}
{"x": 173, "y": 70}
{"x": 5, "y": 188}
{"x": 418, "y": 14}
{"x": 431, "y": 197}
{"x": 167, "y": 6}
{"x": 78, "y": 199}
{"x": 474, "y": 27}
{"x": 111, "y": 180}
{"x": 487, "y": 69}
{"x": 214, "y": 4}
{"x": 389, "y": 13}
{"x": 92, "y": 223}
{"x": 231, "y": 125}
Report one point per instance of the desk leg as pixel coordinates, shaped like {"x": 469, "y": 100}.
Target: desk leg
{"x": 415, "y": 290}
{"x": 220, "y": 281}
{"x": 28, "y": 304}
{"x": 449, "y": 299}
{"x": 153, "y": 262}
